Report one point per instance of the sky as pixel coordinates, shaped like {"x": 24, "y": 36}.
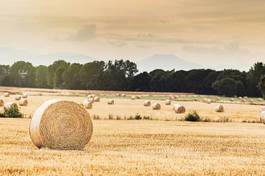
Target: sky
{"x": 212, "y": 33}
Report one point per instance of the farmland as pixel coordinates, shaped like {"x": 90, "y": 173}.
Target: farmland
{"x": 162, "y": 145}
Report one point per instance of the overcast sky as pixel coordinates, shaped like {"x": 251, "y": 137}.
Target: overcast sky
{"x": 213, "y": 33}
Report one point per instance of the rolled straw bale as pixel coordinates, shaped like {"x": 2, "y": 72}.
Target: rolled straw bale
{"x": 133, "y": 97}
{"x": 168, "y": 102}
{"x": 23, "y": 102}
{"x": 6, "y": 94}
{"x": 62, "y": 125}
{"x": 2, "y": 102}
{"x": 123, "y": 95}
{"x": 179, "y": 109}
{"x": 88, "y": 104}
{"x": 156, "y": 106}
{"x": 118, "y": 94}
{"x": 9, "y": 105}
{"x": 110, "y": 102}
{"x": 262, "y": 117}
{"x": 219, "y": 108}
{"x": 138, "y": 97}
{"x": 18, "y": 97}
{"x": 147, "y": 103}
{"x": 96, "y": 99}
{"x": 24, "y": 95}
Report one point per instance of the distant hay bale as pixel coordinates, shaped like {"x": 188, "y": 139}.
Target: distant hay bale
{"x": 138, "y": 97}
{"x": 207, "y": 100}
{"x": 88, "y": 104}
{"x": 118, "y": 95}
{"x": 147, "y": 103}
{"x": 6, "y": 94}
{"x": 2, "y": 102}
{"x": 133, "y": 97}
{"x": 168, "y": 102}
{"x": 96, "y": 99}
{"x": 123, "y": 95}
{"x": 62, "y": 125}
{"x": 9, "y": 105}
{"x": 24, "y": 95}
{"x": 219, "y": 108}
{"x": 111, "y": 102}
{"x": 262, "y": 115}
{"x": 156, "y": 106}
{"x": 179, "y": 109}
{"x": 18, "y": 97}
{"x": 23, "y": 102}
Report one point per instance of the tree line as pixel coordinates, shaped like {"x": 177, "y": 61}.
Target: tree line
{"x": 123, "y": 75}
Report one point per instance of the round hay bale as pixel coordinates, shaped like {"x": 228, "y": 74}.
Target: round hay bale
{"x": 2, "y": 102}
{"x": 62, "y": 125}
{"x": 147, "y": 103}
{"x": 9, "y": 105}
{"x": 179, "y": 109}
{"x": 24, "y": 95}
{"x": 219, "y": 108}
{"x": 262, "y": 117}
{"x": 6, "y": 94}
{"x": 88, "y": 104}
{"x": 133, "y": 97}
{"x": 123, "y": 95}
{"x": 110, "y": 102}
{"x": 156, "y": 106}
{"x": 168, "y": 102}
{"x": 23, "y": 102}
{"x": 118, "y": 95}
{"x": 18, "y": 97}
{"x": 138, "y": 97}
{"x": 96, "y": 99}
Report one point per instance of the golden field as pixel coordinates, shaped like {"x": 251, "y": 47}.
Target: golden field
{"x": 162, "y": 146}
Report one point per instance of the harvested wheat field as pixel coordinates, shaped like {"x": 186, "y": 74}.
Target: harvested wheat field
{"x": 140, "y": 148}
{"x": 162, "y": 144}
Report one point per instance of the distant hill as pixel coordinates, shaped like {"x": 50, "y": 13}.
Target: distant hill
{"x": 166, "y": 62}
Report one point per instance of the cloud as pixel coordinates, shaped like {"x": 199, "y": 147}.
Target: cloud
{"x": 85, "y": 33}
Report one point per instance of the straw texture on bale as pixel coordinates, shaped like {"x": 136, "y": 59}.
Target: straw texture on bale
{"x": 219, "y": 108}
{"x": 23, "y": 102}
{"x": 156, "y": 106}
{"x": 168, "y": 102}
{"x": 179, "y": 109}
{"x": 110, "y": 102}
{"x": 6, "y": 94}
{"x": 62, "y": 125}
{"x": 2, "y": 102}
{"x": 147, "y": 103}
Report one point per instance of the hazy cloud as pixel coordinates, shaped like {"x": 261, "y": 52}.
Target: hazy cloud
{"x": 85, "y": 33}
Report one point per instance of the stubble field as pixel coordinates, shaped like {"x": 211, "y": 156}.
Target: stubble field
{"x": 164, "y": 145}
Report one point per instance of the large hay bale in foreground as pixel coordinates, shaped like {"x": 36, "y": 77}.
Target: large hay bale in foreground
{"x": 6, "y": 94}
{"x": 156, "y": 106}
{"x": 219, "y": 108}
{"x": 179, "y": 109}
{"x": 147, "y": 103}
{"x": 110, "y": 102}
{"x": 23, "y": 102}
{"x": 61, "y": 125}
